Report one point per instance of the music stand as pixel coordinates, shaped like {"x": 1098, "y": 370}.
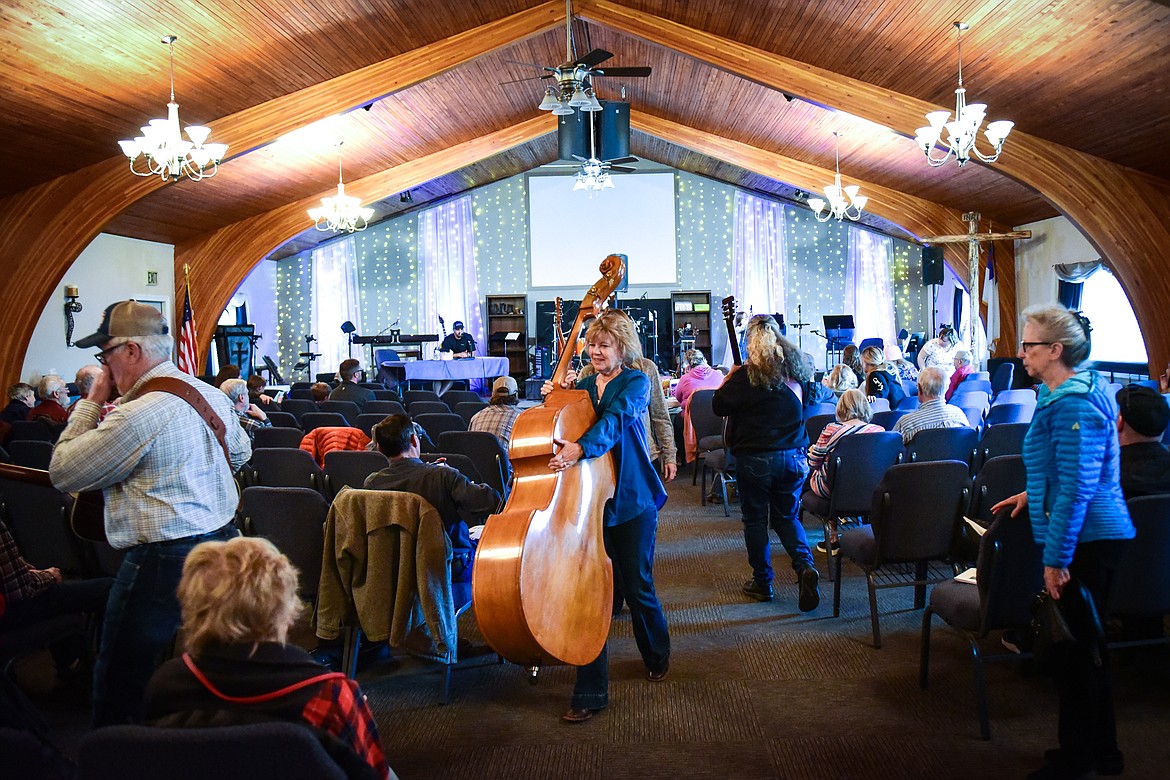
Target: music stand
{"x": 838, "y": 333}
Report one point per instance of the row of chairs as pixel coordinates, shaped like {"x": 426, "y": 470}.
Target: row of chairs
{"x": 308, "y": 415}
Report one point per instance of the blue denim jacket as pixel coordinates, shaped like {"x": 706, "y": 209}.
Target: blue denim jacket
{"x": 619, "y": 429}
{"x": 1072, "y": 456}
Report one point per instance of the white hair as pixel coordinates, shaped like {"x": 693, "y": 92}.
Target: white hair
{"x": 235, "y": 389}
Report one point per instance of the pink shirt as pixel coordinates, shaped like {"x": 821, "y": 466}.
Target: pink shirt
{"x": 698, "y": 378}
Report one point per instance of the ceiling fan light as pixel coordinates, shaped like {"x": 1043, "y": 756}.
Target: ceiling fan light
{"x": 578, "y": 99}
{"x": 593, "y": 105}
{"x": 562, "y": 110}
{"x": 550, "y": 101}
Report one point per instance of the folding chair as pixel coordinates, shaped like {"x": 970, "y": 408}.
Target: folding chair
{"x": 285, "y": 467}
{"x": 437, "y": 424}
{"x": 468, "y": 409}
{"x": 314, "y": 420}
{"x": 266, "y": 438}
{"x": 427, "y": 407}
{"x": 452, "y": 397}
{"x": 708, "y": 427}
{"x": 292, "y": 519}
{"x": 1010, "y": 413}
{"x": 349, "y": 468}
{"x": 347, "y": 409}
{"x": 485, "y": 451}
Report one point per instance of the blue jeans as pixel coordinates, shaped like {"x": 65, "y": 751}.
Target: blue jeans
{"x": 630, "y": 546}
{"x": 769, "y": 491}
{"x": 142, "y": 616}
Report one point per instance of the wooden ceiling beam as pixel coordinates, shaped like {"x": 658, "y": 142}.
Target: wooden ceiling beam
{"x": 1134, "y": 240}
{"x": 49, "y": 225}
{"x": 916, "y": 215}
{"x": 220, "y": 261}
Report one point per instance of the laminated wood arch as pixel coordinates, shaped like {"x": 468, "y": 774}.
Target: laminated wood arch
{"x": 50, "y": 224}
{"x": 1135, "y": 241}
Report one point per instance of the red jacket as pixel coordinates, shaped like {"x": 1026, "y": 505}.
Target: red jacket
{"x": 319, "y": 441}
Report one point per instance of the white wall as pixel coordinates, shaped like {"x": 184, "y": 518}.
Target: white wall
{"x": 1053, "y": 241}
{"x": 111, "y": 269}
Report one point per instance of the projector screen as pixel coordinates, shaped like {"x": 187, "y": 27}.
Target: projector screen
{"x": 571, "y": 232}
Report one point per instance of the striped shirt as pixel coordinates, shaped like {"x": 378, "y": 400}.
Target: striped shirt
{"x": 156, "y": 460}
{"x": 818, "y": 454}
{"x": 931, "y": 414}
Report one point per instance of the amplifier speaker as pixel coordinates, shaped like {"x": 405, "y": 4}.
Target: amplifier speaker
{"x": 932, "y": 265}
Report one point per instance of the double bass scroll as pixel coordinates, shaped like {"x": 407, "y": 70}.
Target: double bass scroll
{"x": 542, "y": 586}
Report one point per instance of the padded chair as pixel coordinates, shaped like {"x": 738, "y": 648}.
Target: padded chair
{"x": 437, "y": 424}
{"x": 910, "y": 402}
{"x": 1004, "y": 439}
{"x": 410, "y": 396}
{"x": 300, "y": 394}
{"x": 1009, "y": 574}
{"x": 416, "y": 408}
{"x": 485, "y": 451}
{"x": 313, "y": 420}
{"x": 298, "y": 407}
{"x": 286, "y": 467}
{"x": 856, "y": 466}
{"x": 292, "y": 519}
{"x": 468, "y": 409}
{"x": 943, "y": 444}
{"x": 872, "y": 342}
{"x": 386, "y": 395}
{"x": 886, "y": 419}
{"x": 349, "y": 468}
{"x": 721, "y": 464}
{"x": 880, "y": 405}
{"x": 31, "y": 453}
{"x": 300, "y": 385}
{"x": 372, "y": 385}
{"x": 965, "y": 399}
{"x": 413, "y": 557}
{"x": 1010, "y": 413}
{"x": 281, "y": 419}
{"x": 974, "y": 385}
{"x": 383, "y": 408}
{"x": 974, "y": 416}
{"x": 915, "y": 519}
{"x": 266, "y": 438}
{"x": 1000, "y": 478}
{"x": 452, "y": 397}
{"x": 818, "y": 410}
{"x": 34, "y": 430}
{"x": 460, "y": 463}
{"x": 289, "y": 751}
{"x": 38, "y": 517}
{"x": 910, "y": 388}
{"x": 1141, "y": 585}
{"x": 1002, "y": 380}
{"x": 366, "y": 422}
{"x": 817, "y": 423}
{"x": 1026, "y": 396}
{"x": 708, "y": 428}
{"x": 347, "y": 409}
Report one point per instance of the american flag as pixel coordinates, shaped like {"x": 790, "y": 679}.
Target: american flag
{"x": 188, "y": 351}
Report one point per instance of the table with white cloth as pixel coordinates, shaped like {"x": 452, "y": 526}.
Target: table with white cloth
{"x": 442, "y": 373}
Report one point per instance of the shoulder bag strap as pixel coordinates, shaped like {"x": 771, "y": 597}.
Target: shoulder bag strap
{"x": 191, "y": 394}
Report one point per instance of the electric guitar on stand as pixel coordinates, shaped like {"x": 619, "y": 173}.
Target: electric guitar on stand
{"x": 729, "y": 320}
{"x": 442, "y": 327}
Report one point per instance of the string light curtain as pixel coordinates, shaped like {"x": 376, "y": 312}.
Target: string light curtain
{"x": 759, "y": 256}
{"x": 335, "y": 300}
{"x": 868, "y": 295}
{"x": 448, "y": 281}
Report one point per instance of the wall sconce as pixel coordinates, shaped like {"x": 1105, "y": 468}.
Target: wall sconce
{"x": 72, "y": 306}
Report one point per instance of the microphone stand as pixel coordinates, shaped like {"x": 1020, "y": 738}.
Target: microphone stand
{"x": 800, "y": 326}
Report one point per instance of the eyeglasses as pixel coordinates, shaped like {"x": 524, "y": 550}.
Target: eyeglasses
{"x": 1030, "y": 344}
{"x": 105, "y": 353}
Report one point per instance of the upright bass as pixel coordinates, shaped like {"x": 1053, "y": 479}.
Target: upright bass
{"x": 542, "y": 585}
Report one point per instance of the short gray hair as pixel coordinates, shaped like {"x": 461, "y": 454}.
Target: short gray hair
{"x": 931, "y": 382}
{"x": 963, "y": 355}
{"x": 49, "y": 384}
{"x": 235, "y": 389}
{"x": 155, "y": 347}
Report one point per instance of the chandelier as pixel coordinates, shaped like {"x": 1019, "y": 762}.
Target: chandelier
{"x": 962, "y": 132}
{"x": 163, "y": 147}
{"x": 843, "y": 202}
{"x": 593, "y": 177}
{"x": 341, "y": 212}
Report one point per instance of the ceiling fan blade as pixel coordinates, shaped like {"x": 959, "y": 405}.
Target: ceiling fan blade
{"x": 579, "y": 157}
{"x": 622, "y": 160}
{"x": 595, "y": 57}
{"x": 526, "y": 64}
{"x": 620, "y": 169}
{"x": 640, "y": 72}
{"x": 517, "y": 81}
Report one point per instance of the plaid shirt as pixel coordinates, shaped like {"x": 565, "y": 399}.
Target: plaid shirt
{"x": 19, "y": 580}
{"x": 250, "y": 424}
{"x": 341, "y": 710}
{"x": 159, "y": 464}
{"x": 496, "y": 419}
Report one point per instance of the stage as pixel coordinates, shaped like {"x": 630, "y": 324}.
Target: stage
{"x": 441, "y": 373}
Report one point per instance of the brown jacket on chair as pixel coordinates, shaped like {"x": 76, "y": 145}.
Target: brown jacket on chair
{"x": 387, "y": 564}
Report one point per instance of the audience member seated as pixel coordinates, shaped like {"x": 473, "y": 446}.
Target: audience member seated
{"x": 932, "y": 411}
{"x": 251, "y": 416}
{"x": 853, "y": 416}
{"x": 459, "y": 501}
{"x": 851, "y": 356}
{"x": 696, "y": 376}
{"x": 84, "y": 380}
{"x": 34, "y": 595}
{"x": 904, "y": 369}
{"x": 320, "y": 391}
{"x": 840, "y": 379}
{"x": 239, "y": 601}
{"x": 349, "y": 390}
{"x": 501, "y": 413}
{"x": 1145, "y": 462}
{"x": 321, "y": 441}
{"x": 963, "y": 369}
{"x": 20, "y": 399}
{"x": 881, "y": 380}
{"x": 256, "y": 394}
{"x": 229, "y": 371}
{"x": 54, "y": 397}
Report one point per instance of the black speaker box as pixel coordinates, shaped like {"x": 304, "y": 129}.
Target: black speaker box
{"x": 932, "y": 265}
{"x": 611, "y": 126}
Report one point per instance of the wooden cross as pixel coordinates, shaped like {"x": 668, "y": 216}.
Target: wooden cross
{"x": 973, "y": 238}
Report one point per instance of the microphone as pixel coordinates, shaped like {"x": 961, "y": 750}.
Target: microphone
{"x": 388, "y": 327}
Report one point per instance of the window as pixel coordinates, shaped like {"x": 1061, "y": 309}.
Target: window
{"x": 1116, "y": 335}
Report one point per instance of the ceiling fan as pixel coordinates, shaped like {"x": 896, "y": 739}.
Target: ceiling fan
{"x": 574, "y": 77}
{"x": 594, "y": 173}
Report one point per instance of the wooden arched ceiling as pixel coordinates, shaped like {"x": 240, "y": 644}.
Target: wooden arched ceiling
{"x": 1090, "y": 76}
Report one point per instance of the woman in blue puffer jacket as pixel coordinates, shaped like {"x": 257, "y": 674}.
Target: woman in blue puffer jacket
{"x": 1079, "y": 516}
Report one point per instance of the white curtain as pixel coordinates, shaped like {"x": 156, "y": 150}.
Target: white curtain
{"x": 447, "y": 279}
{"x": 868, "y": 294}
{"x": 758, "y": 262}
{"x": 335, "y": 300}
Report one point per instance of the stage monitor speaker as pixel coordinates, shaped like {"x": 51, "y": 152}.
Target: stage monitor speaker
{"x": 613, "y": 137}
{"x": 573, "y": 135}
{"x": 932, "y": 265}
